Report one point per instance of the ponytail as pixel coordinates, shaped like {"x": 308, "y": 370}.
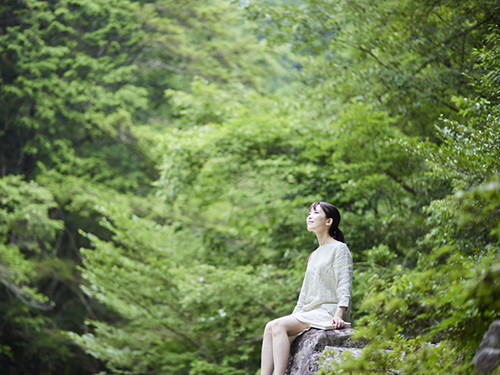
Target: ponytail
{"x": 337, "y": 234}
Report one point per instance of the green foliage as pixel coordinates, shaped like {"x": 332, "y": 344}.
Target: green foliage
{"x": 452, "y": 294}
{"x": 180, "y": 315}
{"x": 25, "y": 227}
{"x": 27, "y": 232}
{"x": 250, "y": 182}
{"x": 238, "y": 183}
{"x": 68, "y": 92}
{"x": 405, "y": 57}
{"x": 174, "y": 150}
{"x": 68, "y": 95}
{"x": 209, "y": 39}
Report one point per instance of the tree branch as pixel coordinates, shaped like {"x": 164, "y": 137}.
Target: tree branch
{"x": 465, "y": 32}
{"x": 374, "y": 56}
{"x": 403, "y": 185}
{"x": 25, "y": 297}
{"x": 163, "y": 65}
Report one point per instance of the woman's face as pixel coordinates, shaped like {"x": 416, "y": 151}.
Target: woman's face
{"x": 317, "y": 221}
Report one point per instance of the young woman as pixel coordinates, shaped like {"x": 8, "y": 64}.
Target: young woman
{"x": 325, "y": 294}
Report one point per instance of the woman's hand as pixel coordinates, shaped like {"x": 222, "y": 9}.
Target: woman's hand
{"x": 338, "y": 322}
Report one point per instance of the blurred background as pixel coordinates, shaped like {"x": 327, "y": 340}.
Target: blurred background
{"x": 158, "y": 159}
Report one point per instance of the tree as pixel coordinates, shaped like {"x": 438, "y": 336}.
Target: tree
{"x": 180, "y": 315}
{"x": 68, "y": 95}
{"x": 68, "y": 92}
{"x": 79, "y": 79}
{"x": 404, "y": 57}
{"x": 452, "y": 295}
{"x": 26, "y": 231}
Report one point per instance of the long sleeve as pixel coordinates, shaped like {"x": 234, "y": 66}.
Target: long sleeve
{"x": 343, "y": 275}
{"x": 301, "y": 300}
{"x": 300, "y": 303}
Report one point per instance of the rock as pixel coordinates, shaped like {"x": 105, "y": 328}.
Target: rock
{"x": 487, "y": 358}
{"x": 333, "y": 354}
{"x": 307, "y": 348}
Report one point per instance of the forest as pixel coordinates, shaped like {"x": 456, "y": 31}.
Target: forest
{"x": 158, "y": 159}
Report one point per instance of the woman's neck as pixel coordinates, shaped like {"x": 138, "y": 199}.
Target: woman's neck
{"x": 324, "y": 238}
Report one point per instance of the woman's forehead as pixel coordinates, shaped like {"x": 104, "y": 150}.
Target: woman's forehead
{"x": 315, "y": 206}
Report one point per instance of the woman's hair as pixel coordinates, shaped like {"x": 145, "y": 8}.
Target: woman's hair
{"x": 331, "y": 212}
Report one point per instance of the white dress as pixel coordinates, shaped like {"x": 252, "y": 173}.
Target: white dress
{"x": 327, "y": 284}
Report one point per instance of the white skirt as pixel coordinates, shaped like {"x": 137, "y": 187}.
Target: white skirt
{"x": 313, "y": 316}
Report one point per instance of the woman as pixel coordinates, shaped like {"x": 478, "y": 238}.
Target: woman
{"x": 325, "y": 294}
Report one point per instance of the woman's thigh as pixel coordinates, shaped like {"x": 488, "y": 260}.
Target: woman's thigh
{"x": 291, "y": 325}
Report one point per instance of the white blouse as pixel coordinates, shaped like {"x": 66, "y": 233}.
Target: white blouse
{"x": 327, "y": 284}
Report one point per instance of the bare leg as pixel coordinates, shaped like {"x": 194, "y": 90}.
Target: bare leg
{"x": 276, "y": 346}
{"x": 267, "y": 362}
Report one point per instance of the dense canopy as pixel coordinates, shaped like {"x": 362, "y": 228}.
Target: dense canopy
{"x": 158, "y": 158}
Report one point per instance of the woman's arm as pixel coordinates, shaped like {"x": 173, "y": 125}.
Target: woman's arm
{"x": 303, "y": 290}
{"x": 300, "y": 302}
{"x": 343, "y": 275}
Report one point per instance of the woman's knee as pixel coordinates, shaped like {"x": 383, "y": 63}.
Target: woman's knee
{"x": 278, "y": 326}
{"x": 290, "y": 325}
{"x": 269, "y": 327}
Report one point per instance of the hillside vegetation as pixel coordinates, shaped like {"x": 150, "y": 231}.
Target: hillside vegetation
{"x": 158, "y": 158}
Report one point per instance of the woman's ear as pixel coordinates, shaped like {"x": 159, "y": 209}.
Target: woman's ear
{"x": 329, "y": 221}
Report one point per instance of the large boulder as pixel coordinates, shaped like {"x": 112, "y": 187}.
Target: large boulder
{"x": 487, "y": 358}
{"x": 307, "y": 348}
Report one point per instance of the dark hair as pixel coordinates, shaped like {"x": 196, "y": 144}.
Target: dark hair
{"x": 331, "y": 212}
